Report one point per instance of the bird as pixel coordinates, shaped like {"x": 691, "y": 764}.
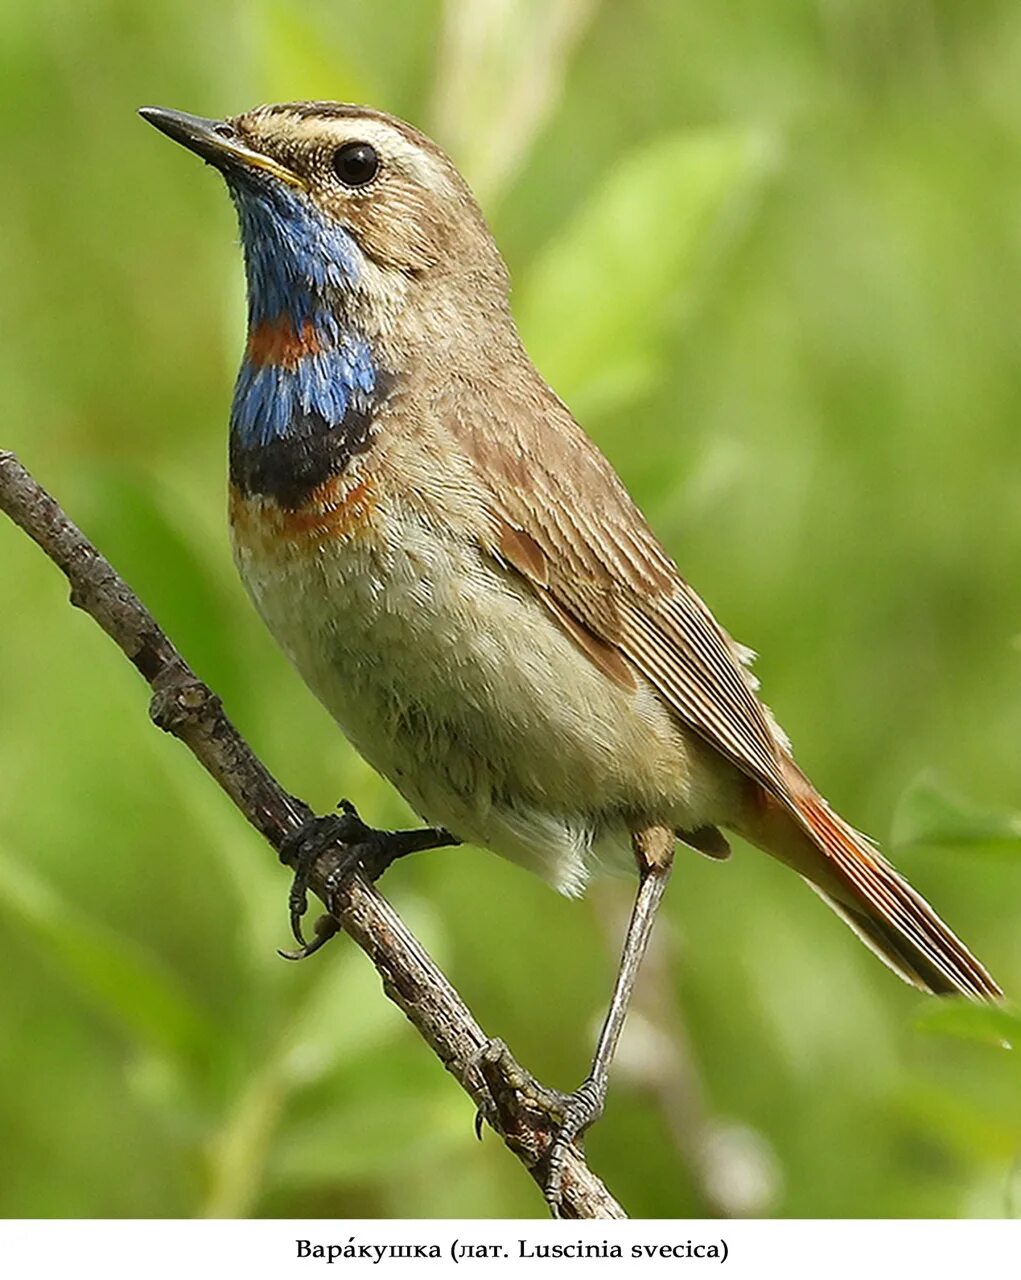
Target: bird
{"x": 461, "y": 578}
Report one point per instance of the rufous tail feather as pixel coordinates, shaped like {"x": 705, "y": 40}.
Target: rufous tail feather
{"x": 853, "y": 877}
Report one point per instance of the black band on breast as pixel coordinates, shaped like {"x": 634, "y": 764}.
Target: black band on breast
{"x": 312, "y": 451}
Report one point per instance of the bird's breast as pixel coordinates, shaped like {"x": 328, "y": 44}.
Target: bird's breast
{"x": 268, "y": 534}
{"x": 313, "y": 570}
{"x": 316, "y": 573}
{"x": 452, "y": 680}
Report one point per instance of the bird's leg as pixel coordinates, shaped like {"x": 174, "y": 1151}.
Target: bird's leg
{"x": 359, "y": 848}
{"x": 573, "y": 1113}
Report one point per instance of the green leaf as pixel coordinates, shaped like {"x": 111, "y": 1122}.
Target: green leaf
{"x": 930, "y": 814}
{"x": 125, "y": 982}
{"x": 996, "y": 1024}
{"x": 599, "y": 297}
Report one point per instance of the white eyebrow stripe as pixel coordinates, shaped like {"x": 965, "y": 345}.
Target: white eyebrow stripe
{"x": 419, "y": 162}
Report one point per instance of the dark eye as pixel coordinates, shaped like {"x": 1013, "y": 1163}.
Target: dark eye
{"x": 355, "y": 163}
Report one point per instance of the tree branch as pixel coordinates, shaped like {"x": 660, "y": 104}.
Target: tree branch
{"x": 185, "y": 707}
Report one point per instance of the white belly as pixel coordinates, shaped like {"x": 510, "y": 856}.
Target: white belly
{"x": 452, "y": 680}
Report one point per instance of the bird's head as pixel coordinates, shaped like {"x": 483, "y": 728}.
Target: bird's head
{"x": 367, "y": 258}
{"x": 349, "y": 208}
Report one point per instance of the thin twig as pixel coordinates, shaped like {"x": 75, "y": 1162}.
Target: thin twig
{"x": 185, "y": 707}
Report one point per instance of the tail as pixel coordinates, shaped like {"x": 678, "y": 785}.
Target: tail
{"x": 850, "y": 874}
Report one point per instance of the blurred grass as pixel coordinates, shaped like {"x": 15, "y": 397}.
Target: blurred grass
{"x": 771, "y": 251}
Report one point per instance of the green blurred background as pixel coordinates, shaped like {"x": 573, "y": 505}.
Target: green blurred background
{"x": 769, "y": 251}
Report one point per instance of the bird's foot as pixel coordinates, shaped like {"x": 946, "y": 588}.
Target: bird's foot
{"x": 354, "y": 846}
{"x": 567, "y": 1115}
{"x": 344, "y": 832}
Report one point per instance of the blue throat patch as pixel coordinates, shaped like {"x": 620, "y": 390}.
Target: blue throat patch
{"x": 274, "y": 401}
{"x": 293, "y": 253}
{"x": 308, "y": 386}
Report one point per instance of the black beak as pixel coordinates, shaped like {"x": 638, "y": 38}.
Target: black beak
{"x": 207, "y": 138}
{"x": 216, "y": 141}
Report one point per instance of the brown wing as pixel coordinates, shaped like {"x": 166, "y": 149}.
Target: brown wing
{"x": 566, "y": 523}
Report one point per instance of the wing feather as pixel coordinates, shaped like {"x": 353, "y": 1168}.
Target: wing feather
{"x": 566, "y": 524}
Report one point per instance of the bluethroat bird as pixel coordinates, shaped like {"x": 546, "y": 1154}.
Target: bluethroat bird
{"x": 463, "y": 581}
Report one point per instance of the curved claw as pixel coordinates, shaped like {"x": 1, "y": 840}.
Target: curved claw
{"x": 297, "y": 904}
{"x": 326, "y": 928}
{"x": 301, "y": 850}
{"x": 357, "y": 847}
